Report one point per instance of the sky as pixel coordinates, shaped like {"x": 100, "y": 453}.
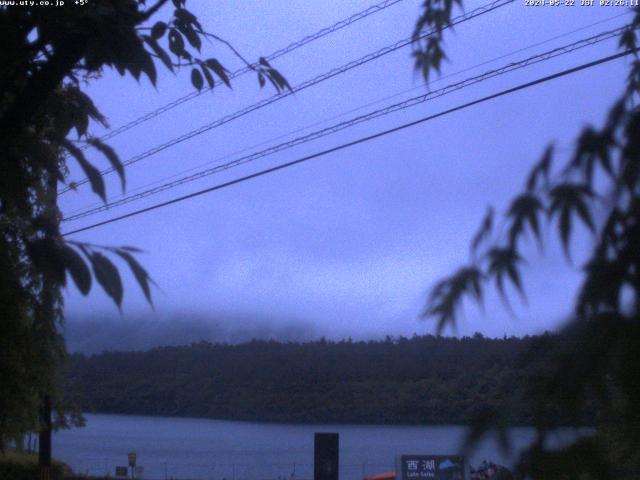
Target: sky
{"x": 347, "y": 244}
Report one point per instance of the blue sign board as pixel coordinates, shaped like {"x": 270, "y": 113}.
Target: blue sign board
{"x": 432, "y": 467}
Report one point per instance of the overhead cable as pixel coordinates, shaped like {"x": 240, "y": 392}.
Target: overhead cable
{"x": 358, "y": 141}
{"x": 408, "y": 103}
{"x": 353, "y": 110}
{"x": 309, "y": 83}
{"x": 278, "y": 53}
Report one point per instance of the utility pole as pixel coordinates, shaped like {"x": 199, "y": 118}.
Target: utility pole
{"x": 44, "y": 450}
{"x": 49, "y": 290}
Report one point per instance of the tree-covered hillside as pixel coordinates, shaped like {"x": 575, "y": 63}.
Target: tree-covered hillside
{"x": 419, "y": 380}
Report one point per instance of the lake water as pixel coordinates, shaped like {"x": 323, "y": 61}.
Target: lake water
{"x": 195, "y": 448}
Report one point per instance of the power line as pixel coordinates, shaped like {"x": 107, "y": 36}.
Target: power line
{"x": 278, "y": 53}
{"x": 343, "y": 146}
{"x": 343, "y": 114}
{"x": 309, "y": 83}
{"x": 411, "y": 102}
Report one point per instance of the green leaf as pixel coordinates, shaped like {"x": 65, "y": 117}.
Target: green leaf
{"x": 196, "y": 79}
{"x": 107, "y": 276}
{"x": 77, "y": 268}
{"x": 112, "y": 156}
{"x": 158, "y": 30}
{"x": 139, "y": 272}
{"x": 93, "y": 174}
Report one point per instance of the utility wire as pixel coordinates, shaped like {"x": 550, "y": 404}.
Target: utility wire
{"x": 344, "y": 114}
{"x": 278, "y": 53}
{"x": 411, "y": 102}
{"x": 309, "y": 83}
{"x": 368, "y": 138}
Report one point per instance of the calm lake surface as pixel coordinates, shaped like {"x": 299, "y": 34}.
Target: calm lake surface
{"x": 195, "y": 448}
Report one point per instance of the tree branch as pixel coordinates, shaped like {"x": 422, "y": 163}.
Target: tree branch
{"x": 231, "y": 47}
{"x": 148, "y": 13}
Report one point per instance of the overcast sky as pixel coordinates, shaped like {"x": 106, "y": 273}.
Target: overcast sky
{"x": 349, "y": 243}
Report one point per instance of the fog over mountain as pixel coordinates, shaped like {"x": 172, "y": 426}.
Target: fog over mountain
{"x": 95, "y": 334}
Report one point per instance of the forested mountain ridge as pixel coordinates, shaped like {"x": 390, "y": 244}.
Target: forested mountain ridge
{"x": 424, "y": 379}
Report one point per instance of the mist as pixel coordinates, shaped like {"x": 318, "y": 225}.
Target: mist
{"x": 111, "y": 332}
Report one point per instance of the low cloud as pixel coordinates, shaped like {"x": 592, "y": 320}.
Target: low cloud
{"x": 95, "y": 334}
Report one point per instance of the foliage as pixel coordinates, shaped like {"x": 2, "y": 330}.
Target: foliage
{"x": 419, "y": 380}
{"x": 597, "y": 190}
{"x": 20, "y": 466}
{"x": 48, "y": 55}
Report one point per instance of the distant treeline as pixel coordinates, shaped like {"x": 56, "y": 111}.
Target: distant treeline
{"x": 424, "y": 379}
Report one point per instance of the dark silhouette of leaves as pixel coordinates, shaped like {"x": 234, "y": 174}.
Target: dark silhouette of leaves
{"x": 158, "y": 30}
{"x": 524, "y": 209}
{"x": 593, "y": 147}
{"x": 276, "y": 79}
{"x": 599, "y": 360}
{"x": 435, "y": 17}
{"x": 207, "y": 75}
{"x": 602, "y": 286}
{"x": 138, "y": 271}
{"x": 630, "y": 174}
{"x": 541, "y": 169}
{"x": 112, "y": 156}
{"x": 49, "y": 55}
{"x": 176, "y": 43}
{"x": 159, "y": 51}
{"x": 504, "y": 262}
{"x": 582, "y": 459}
{"x": 196, "y": 79}
{"x": 187, "y": 18}
{"x": 77, "y": 268}
{"x": 107, "y": 276}
{"x": 192, "y": 37}
{"x": 484, "y": 231}
{"x": 279, "y": 80}
{"x": 446, "y": 296}
{"x": 567, "y": 199}
{"x": 628, "y": 39}
{"x": 220, "y": 71}
{"x": 130, "y": 249}
{"x": 46, "y": 255}
{"x": 92, "y": 173}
